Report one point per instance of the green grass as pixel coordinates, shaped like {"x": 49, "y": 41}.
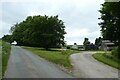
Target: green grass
{"x": 55, "y": 55}
{"x": 109, "y": 61}
{"x": 6, "y": 48}
{"x": 0, "y": 59}
{"x": 97, "y": 51}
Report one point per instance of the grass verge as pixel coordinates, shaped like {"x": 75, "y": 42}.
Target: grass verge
{"x": 54, "y": 55}
{"x": 102, "y": 58}
{"x": 0, "y": 59}
{"x": 6, "y": 48}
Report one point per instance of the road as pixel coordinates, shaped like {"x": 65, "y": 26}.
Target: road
{"x": 85, "y": 66}
{"x": 24, "y": 64}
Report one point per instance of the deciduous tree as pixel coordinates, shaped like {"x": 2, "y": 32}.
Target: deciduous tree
{"x": 42, "y": 31}
{"x": 110, "y": 25}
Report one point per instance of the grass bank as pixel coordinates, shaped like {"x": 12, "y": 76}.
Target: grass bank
{"x": 6, "y": 48}
{"x": 0, "y": 59}
{"x": 109, "y": 61}
{"x": 54, "y": 55}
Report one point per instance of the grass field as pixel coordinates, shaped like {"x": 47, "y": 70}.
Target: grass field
{"x": 54, "y": 55}
{"x": 6, "y": 48}
{"x": 109, "y": 61}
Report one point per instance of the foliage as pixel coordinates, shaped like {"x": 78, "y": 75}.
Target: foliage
{"x": 110, "y": 25}
{"x": 5, "y": 55}
{"x": 118, "y": 50}
{"x": 86, "y": 42}
{"x": 7, "y": 38}
{"x": 115, "y": 52}
{"x": 40, "y": 31}
{"x": 0, "y": 59}
{"x": 91, "y": 47}
{"x": 68, "y": 47}
{"x": 98, "y": 41}
{"x": 106, "y": 60}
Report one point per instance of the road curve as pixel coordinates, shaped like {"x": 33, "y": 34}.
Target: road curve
{"x": 24, "y": 64}
{"x": 85, "y": 66}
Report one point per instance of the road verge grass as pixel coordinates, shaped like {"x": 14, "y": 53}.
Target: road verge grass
{"x": 109, "y": 61}
{"x": 54, "y": 55}
{"x": 0, "y": 59}
{"x": 6, "y": 48}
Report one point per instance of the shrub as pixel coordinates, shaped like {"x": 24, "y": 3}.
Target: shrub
{"x": 68, "y": 47}
{"x": 118, "y": 52}
{"x": 115, "y": 52}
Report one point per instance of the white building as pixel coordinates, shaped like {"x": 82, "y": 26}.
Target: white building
{"x": 107, "y": 45}
{"x": 74, "y": 46}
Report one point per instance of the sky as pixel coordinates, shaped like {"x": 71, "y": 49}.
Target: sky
{"x": 80, "y": 17}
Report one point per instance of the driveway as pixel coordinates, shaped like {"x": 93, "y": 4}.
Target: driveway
{"x": 24, "y": 64}
{"x": 85, "y": 66}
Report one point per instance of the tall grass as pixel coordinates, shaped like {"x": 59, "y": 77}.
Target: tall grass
{"x": 0, "y": 59}
{"x": 6, "y": 48}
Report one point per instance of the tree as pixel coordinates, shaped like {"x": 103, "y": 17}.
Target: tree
{"x": 110, "y": 16}
{"x": 7, "y": 38}
{"x": 41, "y": 31}
{"x": 110, "y": 25}
{"x": 86, "y": 42}
{"x": 75, "y": 43}
{"x": 98, "y": 41}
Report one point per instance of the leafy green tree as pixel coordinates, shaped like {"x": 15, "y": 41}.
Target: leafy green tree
{"x": 41, "y": 31}
{"x": 98, "y": 41}
{"x": 110, "y": 16}
{"x": 7, "y": 38}
{"x": 86, "y": 42}
{"x": 110, "y": 25}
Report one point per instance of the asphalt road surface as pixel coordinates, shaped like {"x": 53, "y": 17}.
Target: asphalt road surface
{"x": 85, "y": 66}
{"x": 24, "y": 64}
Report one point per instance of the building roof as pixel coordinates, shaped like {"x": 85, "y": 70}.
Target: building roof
{"x": 107, "y": 42}
{"x": 110, "y": 43}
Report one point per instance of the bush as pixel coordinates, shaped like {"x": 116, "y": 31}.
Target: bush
{"x": 68, "y": 47}
{"x": 118, "y": 52}
{"x": 115, "y": 52}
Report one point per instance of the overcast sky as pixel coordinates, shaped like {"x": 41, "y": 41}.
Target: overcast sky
{"x": 79, "y": 16}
